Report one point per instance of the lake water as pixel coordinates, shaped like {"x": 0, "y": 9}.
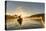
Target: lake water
{"x": 27, "y": 23}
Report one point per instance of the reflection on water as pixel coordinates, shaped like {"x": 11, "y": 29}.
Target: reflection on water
{"x": 26, "y": 24}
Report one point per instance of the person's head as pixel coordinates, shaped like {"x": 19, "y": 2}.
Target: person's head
{"x": 19, "y": 16}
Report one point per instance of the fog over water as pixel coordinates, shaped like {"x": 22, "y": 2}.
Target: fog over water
{"x": 26, "y": 23}
{"x": 24, "y": 9}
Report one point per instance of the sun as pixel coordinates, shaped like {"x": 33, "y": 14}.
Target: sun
{"x": 19, "y": 11}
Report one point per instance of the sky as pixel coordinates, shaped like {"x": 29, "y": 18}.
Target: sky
{"x": 24, "y": 8}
